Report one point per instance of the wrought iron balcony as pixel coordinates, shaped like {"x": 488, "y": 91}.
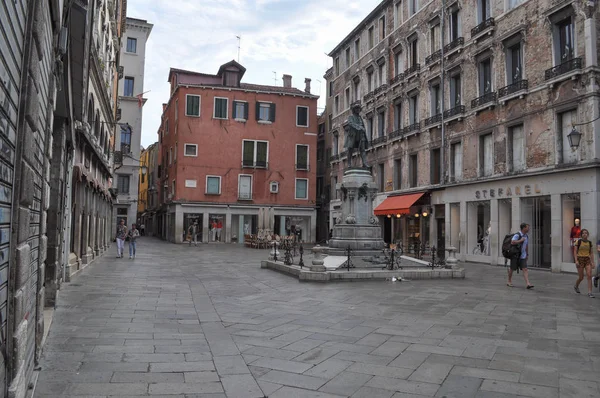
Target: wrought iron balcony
{"x": 484, "y": 99}
{"x": 513, "y": 88}
{"x": 413, "y": 69}
{"x": 334, "y": 158}
{"x": 433, "y": 57}
{"x": 399, "y": 77}
{"x": 343, "y": 154}
{"x": 433, "y": 119}
{"x": 381, "y": 89}
{"x": 565, "y": 67}
{"x": 395, "y": 134}
{"x": 379, "y": 140}
{"x": 413, "y": 127}
{"x": 454, "y": 44}
{"x": 369, "y": 96}
{"x": 488, "y": 23}
{"x": 457, "y": 110}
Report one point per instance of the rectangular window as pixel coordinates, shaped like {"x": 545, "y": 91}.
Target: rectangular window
{"x": 301, "y": 188}
{"x": 191, "y": 183}
{"x": 128, "y": 87}
{"x": 381, "y": 123}
{"x": 191, "y": 150}
{"x": 435, "y": 37}
{"x": 175, "y": 153}
{"x": 302, "y": 114}
{"x": 245, "y": 187}
{"x": 171, "y": 155}
{"x": 255, "y": 153}
{"x": 397, "y": 116}
{"x": 337, "y": 66}
{"x": 221, "y": 108}
{"x": 357, "y": 49}
{"x": 436, "y": 100}
{"x": 381, "y": 74}
{"x": 485, "y": 77}
{"x": 371, "y": 38}
{"x": 398, "y": 63}
{"x": 564, "y": 40}
{"x": 381, "y": 175}
{"x": 337, "y": 104}
{"x": 513, "y": 3}
{"x": 397, "y": 174}
{"x": 264, "y": 112}
{"x": 301, "y": 157}
{"x": 131, "y": 45}
{"x": 347, "y": 95}
{"x": 336, "y": 144}
{"x": 565, "y": 124}
{"x": 413, "y": 7}
{"x": 483, "y": 10}
{"x": 517, "y": 147}
{"x": 125, "y": 138}
{"x": 486, "y": 156}
{"x": 397, "y": 14}
{"x": 356, "y": 84}
{"x": 435, "y": 166}
{"x": 348, "y": 60}
{"x": 513, "y": 63}
{"x": 370, "y": 128}
{"x": 413, "y": 109}
{"x": 240, "y": 110}
{"x": 454, "y": 25}
{"x": 123, "y": 183}
{"x": 456, "y": 161}
{"x": 173, "y": 185}
{"x": 412, "y": 170}
{"x": 381, "y": 28}
{"x": 192, "y": 107}
{"x": 330, "y": 89}
{"x": 370, "y": 80}
{"x": 213, "y": 185}
{"x": 414, "y": 51}
{"x": 455, "y": 90}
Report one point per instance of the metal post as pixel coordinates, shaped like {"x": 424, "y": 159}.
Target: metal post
{"x": 432, "y": 257}
{"x": 275, "y": 251}
{"x": 301, "y": 263}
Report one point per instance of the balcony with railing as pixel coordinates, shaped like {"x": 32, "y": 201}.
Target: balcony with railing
{"x": 454, "y": 112}
{"x": 379, "y": 140}
{"x": 334, "y": 158}
{"x": 395, "y": 134}
{"x": 369, "y": 96}
{"x": 302, "y": 167}
{"x": 343, "y": 154}
{"x": 244, "y": 195}
{"x": 381, "y": 89}
{"x": 516, "y": 87}
{"x": 564, "y": 68}
{"x": 485, "y": 99}
{"x": 454, "y": 45}
{"x": 486, "y": 25}
{"x": 412, "y": 70}
{"x": 412, "y": 128}
{"x": 435, "y": 119}
{"x": 436, "y": 56}
{"x": 397, "y": 79}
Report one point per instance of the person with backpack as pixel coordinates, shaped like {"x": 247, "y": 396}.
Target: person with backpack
{"x": 519, "y": 251}
{"x": 584, "y": 260}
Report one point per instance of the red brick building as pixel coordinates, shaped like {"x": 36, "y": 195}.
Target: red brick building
{"x": 241, "y": 156}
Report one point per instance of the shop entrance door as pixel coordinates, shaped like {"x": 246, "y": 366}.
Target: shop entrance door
{"x": 536, "y": 212}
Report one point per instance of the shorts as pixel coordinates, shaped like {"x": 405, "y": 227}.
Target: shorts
{"x": 584, "y": 262}
{"x": 518, "y": 263}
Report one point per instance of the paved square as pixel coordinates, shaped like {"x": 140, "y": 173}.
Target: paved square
{"x": 207, "y": 321}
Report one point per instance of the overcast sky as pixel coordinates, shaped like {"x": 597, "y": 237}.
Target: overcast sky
{"x": 282, "y": 36}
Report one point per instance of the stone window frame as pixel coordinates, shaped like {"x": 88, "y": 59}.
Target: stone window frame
{"x": 436, "y": 81}
{"x": 507, "y": 44}
{"x": 510, "y": 165}
{"x": 481, "y": 155}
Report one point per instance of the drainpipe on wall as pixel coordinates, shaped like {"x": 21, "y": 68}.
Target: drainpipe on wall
{"x": 442, "y": 82}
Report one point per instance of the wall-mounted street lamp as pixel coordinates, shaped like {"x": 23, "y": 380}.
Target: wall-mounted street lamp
{"x": 574, "y": 136}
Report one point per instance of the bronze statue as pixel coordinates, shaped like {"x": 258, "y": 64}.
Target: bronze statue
{"x": 356, "y": 136}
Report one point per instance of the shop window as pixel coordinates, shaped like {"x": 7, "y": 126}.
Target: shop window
{"x": 571, "y": 224}
{"x": 536, "y": 212}
{"x": 478, "y": 228}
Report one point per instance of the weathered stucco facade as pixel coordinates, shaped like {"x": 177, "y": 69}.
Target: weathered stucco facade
{"x": 517, "y": 76}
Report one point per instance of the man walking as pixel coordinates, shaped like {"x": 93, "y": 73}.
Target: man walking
{"x": 521, "y": 240}
{"x": 193, "y": 231}
{"x": 120, "y": 238}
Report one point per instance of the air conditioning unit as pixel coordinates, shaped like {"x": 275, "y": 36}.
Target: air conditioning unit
{"x": 274, "y": 187}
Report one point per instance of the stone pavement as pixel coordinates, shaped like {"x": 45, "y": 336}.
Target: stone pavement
{"x": 206, "y": 321}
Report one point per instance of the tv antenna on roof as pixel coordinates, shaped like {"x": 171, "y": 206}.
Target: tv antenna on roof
{"x": 239, "y": 46}
{"x": 275, "y": 77}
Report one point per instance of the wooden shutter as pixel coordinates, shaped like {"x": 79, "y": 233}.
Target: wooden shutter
{"x": 246, "y": 110}
{"x": 272, "y": 113}
{"x": 258, "y": 111}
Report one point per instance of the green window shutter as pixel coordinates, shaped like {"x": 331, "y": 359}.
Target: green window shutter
{"x": 258, "y": 111}
{"x": 246, "y": 111}
{"x": 248, "y": 155}
{"x": 261, "y": 154}
{"x": 272, "y": 113}
{"x": 233, "y": 112}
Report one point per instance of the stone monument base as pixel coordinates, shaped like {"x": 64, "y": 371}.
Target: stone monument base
{"x": 363, "y": 240}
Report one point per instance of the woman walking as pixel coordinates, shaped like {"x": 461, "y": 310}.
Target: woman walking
{"x": 584, "y": 260}
{"x": 120, "y": 238}
{"x": 133, "y": 234}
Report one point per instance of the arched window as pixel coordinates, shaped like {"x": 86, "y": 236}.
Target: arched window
{"x": 97, "y": 125}
{"x": 90, "y": 112}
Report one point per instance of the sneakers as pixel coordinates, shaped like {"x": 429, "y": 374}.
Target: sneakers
{"x": 576, "y": 290}
{"x": 590, "y": 295}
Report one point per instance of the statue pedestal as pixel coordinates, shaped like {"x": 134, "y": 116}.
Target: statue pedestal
{"x": 357, "y": 228}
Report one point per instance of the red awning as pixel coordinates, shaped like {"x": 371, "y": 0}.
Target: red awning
{"x": 397, "y": 204}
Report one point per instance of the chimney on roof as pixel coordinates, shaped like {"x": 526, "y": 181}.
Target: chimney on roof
{"x": 287, "y": 81}
{"x": 307, "y": 88}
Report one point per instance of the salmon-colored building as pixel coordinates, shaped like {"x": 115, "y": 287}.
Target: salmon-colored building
{"x": 237, "y": 157}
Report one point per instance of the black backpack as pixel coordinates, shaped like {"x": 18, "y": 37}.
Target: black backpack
{"x": 508, "y": 249}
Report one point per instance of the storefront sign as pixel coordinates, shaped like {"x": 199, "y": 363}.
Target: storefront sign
{"x": 508, "y": 192}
